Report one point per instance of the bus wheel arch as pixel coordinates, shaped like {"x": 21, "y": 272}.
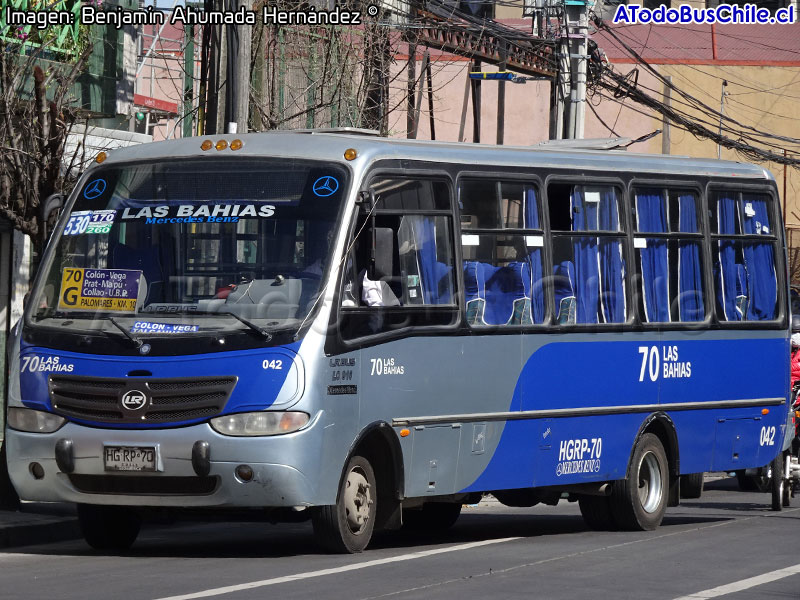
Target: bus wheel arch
{"x": 651, "y": 483}
{"x": 369, "y": 492}
{"x": 639, "y": 501}
{"x": 379, "y": 444}
{"x": 661, "y": 425}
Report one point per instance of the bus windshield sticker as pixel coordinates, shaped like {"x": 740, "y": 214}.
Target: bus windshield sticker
{"x": 325, "y": 186}
{"x": 99, "y": 289}
{"x": 94, "y": 189}
{"x": 534, "y": 240}
{"x": 90, "y": 222}
{"x": 148, "y": 327}
{"x": 592, "y": 197}
{"x": 203, "y": 213}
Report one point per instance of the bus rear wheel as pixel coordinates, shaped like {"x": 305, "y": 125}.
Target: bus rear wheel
{"x": 347, "y": 526}
{"x": 692, "y": 485}
{"x": 109, "y": 527}
{"x": 639, "y": 501}
{"x": 778, "y": 482}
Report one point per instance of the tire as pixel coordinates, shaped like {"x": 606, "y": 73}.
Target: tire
{"x": 109, "y": 527}
{"x": 752, "y": 483}
{"x": 777, "y": 482}
{"x": 433, "y": 516}
{"x": 596, "y": 512}
{"x": 638, "y": 502}
{"x": 692, "y": 486}
{"x": 346, "y": 527}
{"x": 787, "y": 486}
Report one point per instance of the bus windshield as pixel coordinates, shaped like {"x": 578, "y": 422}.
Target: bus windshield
{"x": 193, "y": 245}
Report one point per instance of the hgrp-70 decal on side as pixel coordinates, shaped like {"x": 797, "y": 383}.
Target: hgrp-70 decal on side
{"x": 579, "y": 456}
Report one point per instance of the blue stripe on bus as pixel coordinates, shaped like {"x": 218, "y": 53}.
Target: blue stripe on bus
{"x": 256, "y": 389}
{"x": 576, "y": 374}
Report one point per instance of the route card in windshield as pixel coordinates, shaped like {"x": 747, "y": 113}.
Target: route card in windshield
{"x": 99, "y": 289}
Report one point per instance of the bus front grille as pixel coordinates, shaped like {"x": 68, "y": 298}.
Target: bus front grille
{"x": 105, "y": 399}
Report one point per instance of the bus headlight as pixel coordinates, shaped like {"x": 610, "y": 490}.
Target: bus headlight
{"x": 34, "y": 421}
{"x": 259, "y": 423}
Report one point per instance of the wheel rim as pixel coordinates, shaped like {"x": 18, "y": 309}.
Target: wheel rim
{"x": 650, "y": 483}
{"x": 357, "y": 500}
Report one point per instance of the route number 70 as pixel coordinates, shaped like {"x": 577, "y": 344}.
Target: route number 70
{"x": 651, "y": 361}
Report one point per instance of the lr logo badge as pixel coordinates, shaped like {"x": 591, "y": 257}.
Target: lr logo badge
{"x": 134, "y": 400}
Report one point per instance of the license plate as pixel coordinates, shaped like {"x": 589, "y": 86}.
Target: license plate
{"x": 129, "y": 458}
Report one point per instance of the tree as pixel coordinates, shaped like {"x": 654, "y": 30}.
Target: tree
{"x": 37, "y": 113}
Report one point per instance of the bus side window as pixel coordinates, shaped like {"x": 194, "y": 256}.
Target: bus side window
{"x": 412, "y": 264}
{"x": 744, "y": 247}
{"x": 588, "y": 253}
{"x": 502, "y": 242}
{"x": 668, "y": 244}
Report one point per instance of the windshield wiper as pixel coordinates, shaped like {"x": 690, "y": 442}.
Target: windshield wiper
{"x": 253, "y": 327}
{"x": 250, "y": 325}
{"x": 136, "y": 341}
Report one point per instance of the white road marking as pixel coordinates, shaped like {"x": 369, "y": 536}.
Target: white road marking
{"x": 744, "y": 584}
{"x": 322, "y": 572}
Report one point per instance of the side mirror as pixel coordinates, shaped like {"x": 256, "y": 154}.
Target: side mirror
{"x": 49, "y": 211}
{"x": 382, "y": 259}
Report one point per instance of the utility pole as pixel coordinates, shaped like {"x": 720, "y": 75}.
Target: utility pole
{"x": 576, "y": 40}
{"x": 501, "y": 101}
{"x": 721, "y": 114}
{"x": 665, "y": 133}
{"x": 188, "y": 80}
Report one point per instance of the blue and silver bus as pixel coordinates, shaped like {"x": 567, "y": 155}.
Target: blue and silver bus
{"x": 368, "y": 333}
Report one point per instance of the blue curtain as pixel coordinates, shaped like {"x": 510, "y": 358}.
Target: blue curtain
{"x": 726, "y": 224}
{"x": 759, "y": 260}
{"x": 584, "y": 217}
{"x": 690, "y": 278}
{"x": 535, "y": 257}
{"x": 652, "y": 218}
{"x": 612, "y": 265}
{"x": 435, "y": 276}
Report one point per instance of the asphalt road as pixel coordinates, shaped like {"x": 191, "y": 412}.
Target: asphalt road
{"x": 726, "y": 545}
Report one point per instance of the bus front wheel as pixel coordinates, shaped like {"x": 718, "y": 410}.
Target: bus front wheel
{"x": 109, "y": 527}
{"x": 347, "y": 525}
{"x": 640, "y": 500}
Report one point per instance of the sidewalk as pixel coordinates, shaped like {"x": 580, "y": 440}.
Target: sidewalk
{"x": 38, "y": 523}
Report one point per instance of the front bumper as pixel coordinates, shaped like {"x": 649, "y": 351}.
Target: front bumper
{"x": 281, "y": 466}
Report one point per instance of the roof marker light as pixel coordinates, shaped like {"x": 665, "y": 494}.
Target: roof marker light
{"x": 404, "y": 432}
{"x": 350, "y": 154}
{"x": 221, "y": 145}
{"x": 206, "y": 145}
{"x": 236, "y": 144}
{"x": 101, "y": 157}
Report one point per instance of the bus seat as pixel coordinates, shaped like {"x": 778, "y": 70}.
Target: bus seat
{"x": 505, "y": 295}
{"x": 522, "y": 306}
{"x": 564, "y": 289}
{"x": 441, "y": 275}
{"x": 741, "y": 290}
{"x": 475, "y": 290}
